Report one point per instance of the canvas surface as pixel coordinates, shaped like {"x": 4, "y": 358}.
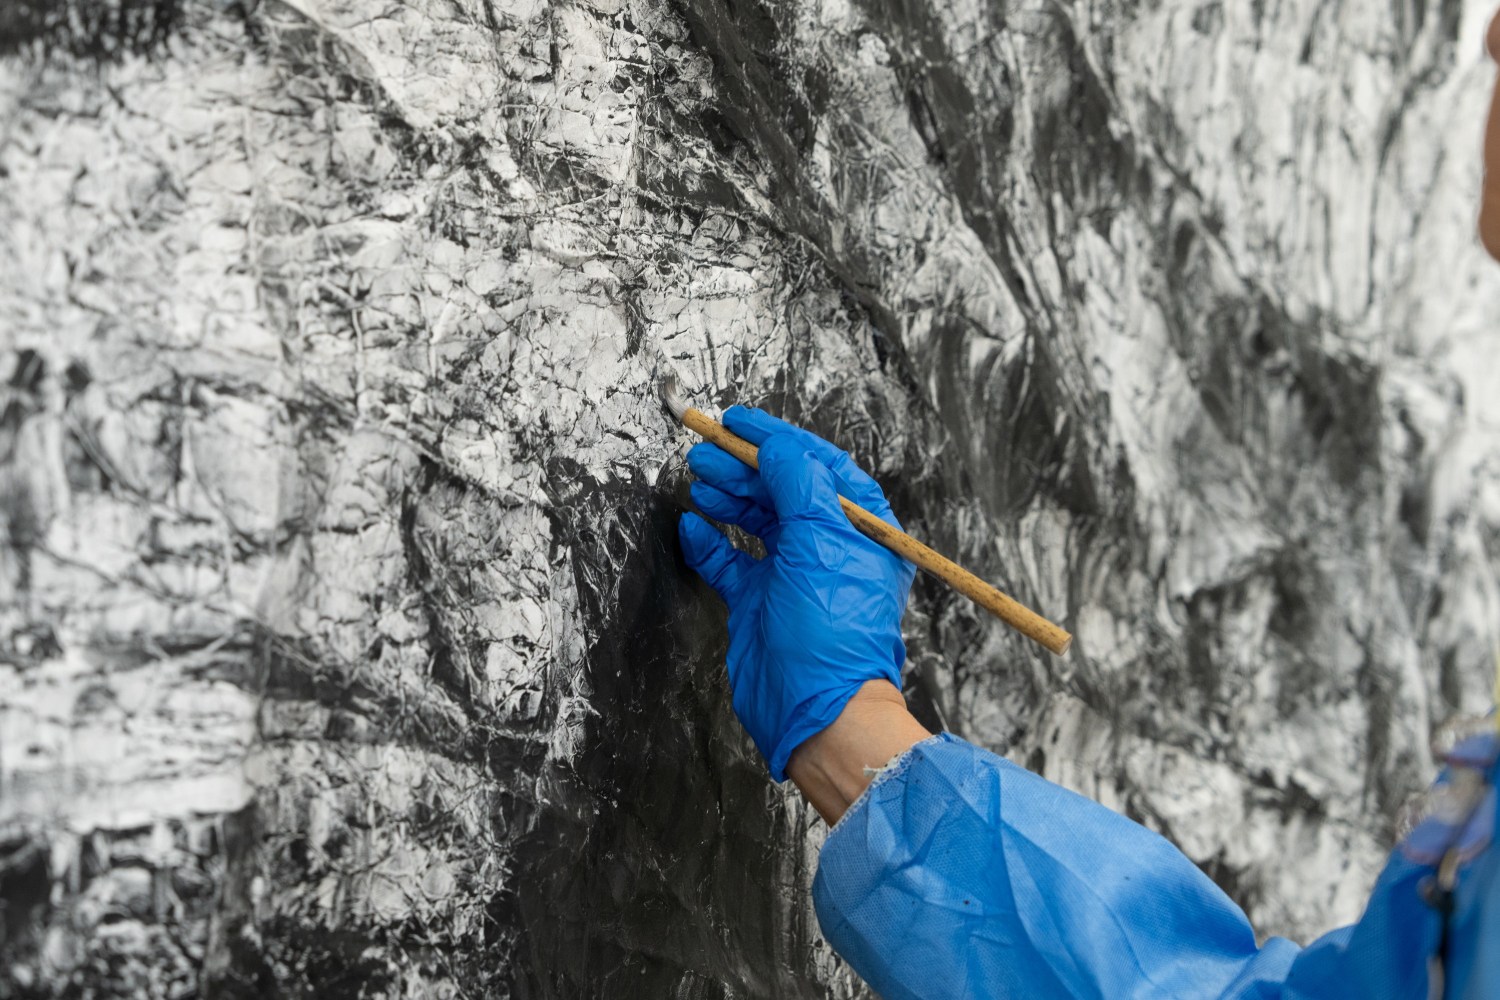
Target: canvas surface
{"x": 345, "y": 647}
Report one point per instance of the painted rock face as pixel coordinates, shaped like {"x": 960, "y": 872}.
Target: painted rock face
{"x": 344, "y": 641}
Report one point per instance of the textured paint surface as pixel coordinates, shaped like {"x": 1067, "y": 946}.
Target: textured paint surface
{"x": 345, "y": 649}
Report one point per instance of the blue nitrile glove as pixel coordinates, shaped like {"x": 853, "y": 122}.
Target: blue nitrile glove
{"x": 821, "y": 614}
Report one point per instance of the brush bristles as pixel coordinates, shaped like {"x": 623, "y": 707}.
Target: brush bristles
{"x": 672, "y": 398}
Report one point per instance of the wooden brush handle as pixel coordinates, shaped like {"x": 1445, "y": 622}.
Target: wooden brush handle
{"x": 1012, "y": 612}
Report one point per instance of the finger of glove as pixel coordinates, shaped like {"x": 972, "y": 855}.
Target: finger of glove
{"x": 723, "y": 471}
{"x": 801, "y": 487}
{"x": 721, "y": 565}
{"x": 756, "y": 426}
{"x": 731, "y": 509}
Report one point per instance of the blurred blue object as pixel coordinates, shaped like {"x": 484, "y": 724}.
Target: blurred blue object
{"x": 959, "y": 874}
{"x": 1460, "y": 813}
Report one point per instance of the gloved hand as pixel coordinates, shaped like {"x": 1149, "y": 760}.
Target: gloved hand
{"x": 821, "y": 614}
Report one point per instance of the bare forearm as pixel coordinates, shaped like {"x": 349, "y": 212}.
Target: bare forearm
{"x": 829, "y": 768}
{"x": 1489, "y": 205}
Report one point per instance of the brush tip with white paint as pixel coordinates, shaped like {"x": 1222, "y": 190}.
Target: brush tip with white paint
{"x": 672, "y": 397}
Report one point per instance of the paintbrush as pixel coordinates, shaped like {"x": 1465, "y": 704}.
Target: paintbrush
{"x": 1007, "y": 609}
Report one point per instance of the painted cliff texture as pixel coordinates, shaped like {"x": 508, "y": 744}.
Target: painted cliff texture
{"x": 345, "y": 647}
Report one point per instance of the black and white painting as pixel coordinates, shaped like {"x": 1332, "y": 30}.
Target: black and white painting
{"x": 346, "y": 649}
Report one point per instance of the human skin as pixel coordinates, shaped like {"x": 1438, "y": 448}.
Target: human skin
{"x": 1489, "y": 204}
{"x": 829, "y": 767}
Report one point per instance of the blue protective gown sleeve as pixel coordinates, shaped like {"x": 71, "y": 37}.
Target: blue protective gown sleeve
{"x": 959, "y": 874}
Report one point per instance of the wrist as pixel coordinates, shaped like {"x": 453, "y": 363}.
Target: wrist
{"x": 830, "y": 766}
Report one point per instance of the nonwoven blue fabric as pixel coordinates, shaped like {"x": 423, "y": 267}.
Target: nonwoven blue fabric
{"x": 959, "y": 874}
{"x": 821, "y": 614}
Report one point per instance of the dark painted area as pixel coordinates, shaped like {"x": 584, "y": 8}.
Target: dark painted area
{"x": 92, "y": 29}
{"x": 617, "y": 901}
